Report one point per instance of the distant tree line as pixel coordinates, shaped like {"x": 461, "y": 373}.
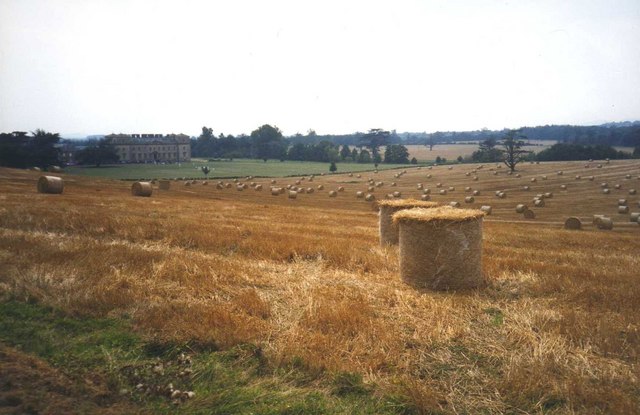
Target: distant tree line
{"x": 20, "y": 150}
{"x": 267, "y": 142}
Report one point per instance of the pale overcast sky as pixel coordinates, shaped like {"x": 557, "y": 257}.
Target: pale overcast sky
{"x": 102, "y": 66}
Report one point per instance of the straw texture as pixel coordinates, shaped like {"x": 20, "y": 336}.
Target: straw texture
{"x": 50, "y": 184}
{"x": 389, "y": 231}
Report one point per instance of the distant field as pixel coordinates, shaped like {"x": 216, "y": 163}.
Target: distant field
{"x": 235, "y": 168}
{"x": 453, "y": 151}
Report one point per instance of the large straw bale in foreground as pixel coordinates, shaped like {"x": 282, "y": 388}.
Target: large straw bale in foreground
{"x": 144, "y": 189}
{"x": 440, "y": 248}
{"x": 50, "y": 184}
{"x": 389, "y": 231}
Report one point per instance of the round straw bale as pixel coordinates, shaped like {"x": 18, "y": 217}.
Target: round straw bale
{"x": 275, "y": 191}
{"x": 518, "y": 175}
{"x": 350, "y": 174}
{"x": 628, "y": 176}
{"x": 469, "y": 199}
{"x": 35, "y": 169}
{"x": 632, "y": 191}
{"x": 590, "y": 178}
{"x": 572, "y": 223}
{"x": 560, "y": 173}
{"x": 310, "y": 190}
{"x": 298, "y": 182}
{"x": 495, "y": 173}
{"x": 54, "y": 169}
{"x": 393, "y": 184}
{"x": 606, "y": 191}
{"x": 486, "y": 209}
{"x": 144, "y": 189}
{"x": 204, "y": 182}
{"x": 333, "y": 193}
{"x": 50, "y": 184}
{"x": 443, "y": 192}
{"x": 273, "y": 182}
{"x": 239, "y": 188}
{"x": 476, "y": 192}
{"x": 520, "y": 208}
{"x": 359, "y": 195}
{"x": 440, "y": 248}
{"x": 596, "y": 219}
{"x": 397, "y": 195}
{"x": 510, "y": 173}
{"x": 438, "y": 184}
{"x": 164, "y": 184}
{"x": 548, "y": 195}
{"x": 258, "y": 188}
{"x": 387, "y": 208}
{"x": 293, "y": 194}
{"x": 538, "y": 202}
{"x": 228, "y": 185}
{"x": 622, "y": 202}
{"x": 498, "y": 192}
{"x": 301, "y": 190}
{"x": 389, "y": 196}
{"x": 370, "y": 189}
{"x": 425, "y": 197}
{"x": 187, "y": 183}
{"x": 578, "y": 177}
{"x": 452, "y": 189}
{"x": 379, "y": 184}
{"x": 320, "y": 187}
{"x": 219, "y": 186}
{"x": 623, "y": 209}
{"x": 252, "y": 184}
{"x": 634, "y": 217}
{"x": 450, "y": 167}
{"x": 544, "y": 177}
{"x": 533, "y": 180}
{"x": 475, "y": 178}
{"x": 599, "y": 166}
{"x": 419, "y": 186}
{"x": 617, "y": 186}
{"x": 369, "y": 197}
{"x": 526, "y": 188}
{"x": 529, "y": 214}
{"x": 563, "y": 186}
{"x": 467, "y": 174}
{"x": 605, "y": 223}
{"x": 358, "y": 176}
{"x": 426, "y": 191}
{"x": 454, "y": 204}
{"x": 604, "y": 185}
{"x": 502, "y": 195}
{"x": 429, "y": 176}
{"x": 467, "y": 189}
{"x": 341, "y": 189}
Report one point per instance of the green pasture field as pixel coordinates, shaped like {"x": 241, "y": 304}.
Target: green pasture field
{"x": 235, "y": 168}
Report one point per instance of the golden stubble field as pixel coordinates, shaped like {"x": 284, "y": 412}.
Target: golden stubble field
{"x": 554, "y": 331}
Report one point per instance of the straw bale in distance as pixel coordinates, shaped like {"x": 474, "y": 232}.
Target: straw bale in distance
{"x": 359, "y": 195}
{"x": 275, "y": 191}
{"x": 528, "y": 214}
{"x": 622, "y": 202}
{"x": 476, "y": 192}
{"x": 486, "y": 209}
{"x": 144, "y": 189}
{"x": 50, "y": 184}
{"x": 293, "y": 194}
{"x": 632, "y": 191}
{"x": 623, "y": 209}
{"x": 469, "y": 199}
{"x": 387, "y": 208}
{"x": 440, "y": 248}
{"x": 572, "y": 223}
{"x": 605, "y": 223}
{"x": 369, "y": 197}
{"x": 258, "y": 188}
{"x": 520, "y": 208}
{"x": 425, "y": 197}
{"x": 333, "y": 193}
{"x": 634, "y": 217}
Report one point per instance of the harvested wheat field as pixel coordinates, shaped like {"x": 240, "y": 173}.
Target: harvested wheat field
{"x": 300, "y": 292}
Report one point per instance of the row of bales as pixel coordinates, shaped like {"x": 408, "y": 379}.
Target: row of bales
{"x": 395, "y": 188}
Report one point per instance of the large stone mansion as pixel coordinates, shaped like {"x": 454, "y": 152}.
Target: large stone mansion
{"x": 149, "y": 148}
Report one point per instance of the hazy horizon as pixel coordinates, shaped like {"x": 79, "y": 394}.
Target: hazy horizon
{"x": 88, "y": 67}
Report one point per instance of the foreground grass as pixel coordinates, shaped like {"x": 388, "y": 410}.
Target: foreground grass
{"x": 139, "y": 371}
{"x": 235, "y": 168}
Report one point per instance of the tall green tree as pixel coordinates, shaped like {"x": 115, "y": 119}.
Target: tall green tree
{"x": 354, "y": 154}
{"x": 345, "y": 152}
{"x": 374, "y": 139}
{"x": 487, "y": 152}
{"x": 512, "y": 151}
{"x": 42, "y": 148}
{"x": 98, "y": 153}
{"x": 267, "y": 142}
{"x": 396, "y": 153}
